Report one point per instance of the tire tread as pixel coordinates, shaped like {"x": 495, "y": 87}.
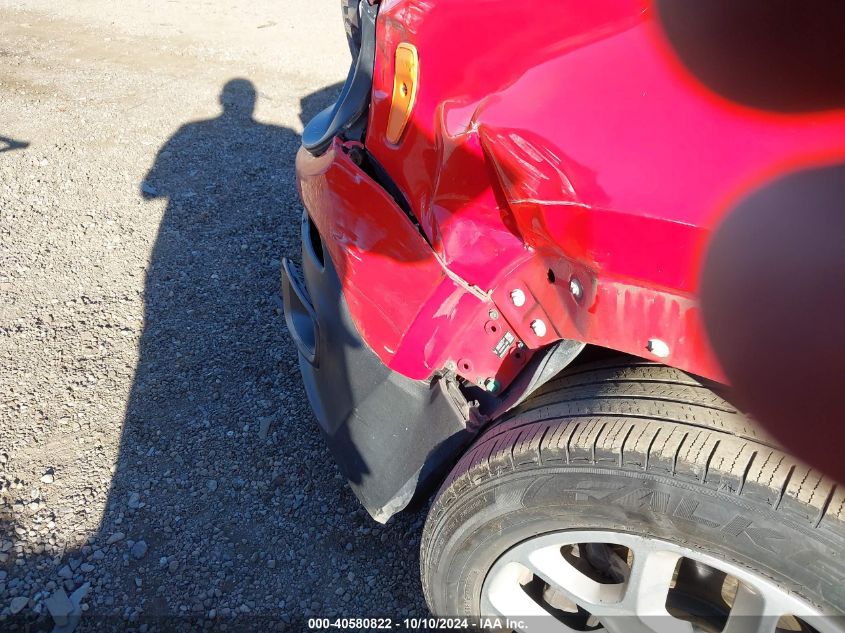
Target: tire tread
{"x": 644, "y": 417}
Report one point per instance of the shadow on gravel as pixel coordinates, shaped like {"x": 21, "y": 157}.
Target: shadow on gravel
{"x": 226, "y": 511}
{"x": 8, "y": 144}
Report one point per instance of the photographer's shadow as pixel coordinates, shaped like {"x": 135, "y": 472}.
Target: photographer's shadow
{"x": 207, "y": 347}
{"x": 214, "y": 372}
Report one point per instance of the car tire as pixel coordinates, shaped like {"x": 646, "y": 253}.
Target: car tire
{"x": 647, "y": 452}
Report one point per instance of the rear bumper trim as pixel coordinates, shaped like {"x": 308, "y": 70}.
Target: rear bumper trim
{"x": 392, "y": 437}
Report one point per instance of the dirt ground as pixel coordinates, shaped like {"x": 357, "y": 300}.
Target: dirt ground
{"x": 158, "y": 460}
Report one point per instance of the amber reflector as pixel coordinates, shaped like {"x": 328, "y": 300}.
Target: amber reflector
{"x": 404, "y": 90}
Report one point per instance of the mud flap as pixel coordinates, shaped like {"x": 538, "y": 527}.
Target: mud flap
{"x": 392, "y": 437}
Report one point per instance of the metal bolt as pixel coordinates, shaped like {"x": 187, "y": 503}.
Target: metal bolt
{"x": 518, "y": 297}
{"x": 657, "y": 347}
{"x": 494, "y": 314}
{"x": 451, "y": 365}
{"x": 520, "y": 344}
{"x": 491, "y": 385}
{"x": 576, "y": 289}
{"x": 539, "y": 327}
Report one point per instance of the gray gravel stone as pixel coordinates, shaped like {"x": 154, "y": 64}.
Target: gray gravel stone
{"x": 17, "y": 604}
{"x": 139, "y": 550}
{"x": 59, "y": 606}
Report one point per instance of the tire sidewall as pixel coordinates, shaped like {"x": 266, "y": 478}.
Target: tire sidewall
{"x": 466, "y": 534}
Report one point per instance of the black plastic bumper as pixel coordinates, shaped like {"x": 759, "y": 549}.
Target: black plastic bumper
{"x": 391, "y": 436}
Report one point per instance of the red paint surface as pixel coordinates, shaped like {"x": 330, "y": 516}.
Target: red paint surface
{"x": 562, "y": 135}
{"x": 405, "y": 305}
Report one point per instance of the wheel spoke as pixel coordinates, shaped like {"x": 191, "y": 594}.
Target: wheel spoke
{"x": 648, "y": 585}
{"x": 549, "y": 564}
{"x": 541, "y": 581}
{"x": 751, "y": 612}
{"x": 647, "y": 589}
{"x": 507, "y": 598}
{"x": 518, "y": 608}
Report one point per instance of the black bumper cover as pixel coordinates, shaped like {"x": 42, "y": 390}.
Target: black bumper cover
{"x": 392, "y": 437}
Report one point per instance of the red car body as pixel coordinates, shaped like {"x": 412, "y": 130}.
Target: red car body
{"x": 559, "y": 181}
{"x": 549, "y": 143}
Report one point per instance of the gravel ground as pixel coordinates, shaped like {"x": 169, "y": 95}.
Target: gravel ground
{"x": 157, "y": 455}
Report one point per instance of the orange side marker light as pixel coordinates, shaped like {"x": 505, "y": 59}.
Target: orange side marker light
{"x": 404, "y": 90}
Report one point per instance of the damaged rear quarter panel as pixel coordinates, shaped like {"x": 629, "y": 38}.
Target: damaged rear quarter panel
{"x": 412, "y": 311}
{"x": 563, "y": 140}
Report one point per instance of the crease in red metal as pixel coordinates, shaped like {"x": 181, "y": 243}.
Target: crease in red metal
{"x": 414, "y": 313}
{"x": 550, "y": 143}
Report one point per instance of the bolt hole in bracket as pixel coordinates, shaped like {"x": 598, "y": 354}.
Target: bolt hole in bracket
{"x": 529, "y": 355}
{"x": 548, "y": 301}
{"x": 489, "y": 355}
{"x": 540, "y": 298}
{"x": 528, "y": 309}
{"x": 506, "y": 350}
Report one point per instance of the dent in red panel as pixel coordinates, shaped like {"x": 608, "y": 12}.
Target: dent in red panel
{"x": 386, "y": 267}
